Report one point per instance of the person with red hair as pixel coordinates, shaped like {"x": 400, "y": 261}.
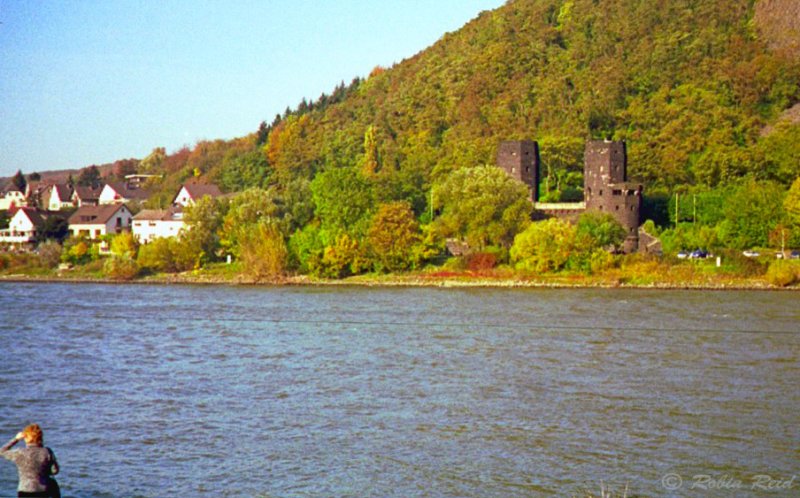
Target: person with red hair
{"x": 36, "y": 464}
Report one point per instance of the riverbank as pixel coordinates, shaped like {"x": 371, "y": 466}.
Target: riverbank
{"x": 220, "y": 275}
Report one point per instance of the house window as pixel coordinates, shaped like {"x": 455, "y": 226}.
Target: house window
{"x": 600, "y": 193}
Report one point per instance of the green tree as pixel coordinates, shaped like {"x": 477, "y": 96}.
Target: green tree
{"x": 392, "y": 237}
{"x": 343, "y": 200}
{"x": 561, "y": 165}
{"x": 55, "y": 228}
{"x": 370, "y": 164}
{"x": 19, "y": 181}
{"x": 545, "y": 246}
{"x": 297, "y": 204}
{"x": 306, "y": 247}
{"x": 241, "y": 170}
{"x": 244, "y": 213}
{"x": 89, "y": 177}
{"x": 791, "y": 205}
{"x": 482, "y": 205}
{"x": 152, "y": 164}
{"x": 199, "y": 243}
{"x": 600, "y": 230}
{"x": 752, "y": 210}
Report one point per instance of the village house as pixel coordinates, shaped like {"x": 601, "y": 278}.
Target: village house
{"x": 34, "y": 191}
{"x": 150, "y": 224}
{"x": 95, "y": 221}
{"x": 24, "y": 227}
{"x": 57, "y": 197}
{"x": 120, "y": 193}
{"x": 11, "y": 197}
{"x": 137, "y": 180}
{"x": 193, "y": 192}
{"x": 85, "y": 196}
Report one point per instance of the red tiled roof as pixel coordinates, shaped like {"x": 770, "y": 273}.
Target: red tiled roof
{"x": 129, "y": 193}
{"x": 94, "y": 215}
{"x": 198, "y": 190}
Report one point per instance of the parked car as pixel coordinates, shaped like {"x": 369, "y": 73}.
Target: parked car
{"x": 698, "y": 254}
{"x": 683, "y": 255}
{"x": 751, "y": 253}
{"x": 794, "y": 254}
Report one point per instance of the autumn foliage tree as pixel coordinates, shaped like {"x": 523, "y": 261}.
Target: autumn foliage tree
{"x": 392, "y": 237}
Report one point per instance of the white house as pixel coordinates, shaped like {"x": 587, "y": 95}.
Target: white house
{"x": 120, "y": 193}
{"x": 57, "y": 197}
{"x": 149, "y": 224}
{"x": 24, "y": 227}
{"x": 11, "y": 198}
{"x": 96, "y": 221}
{"x": 192, "y": 192}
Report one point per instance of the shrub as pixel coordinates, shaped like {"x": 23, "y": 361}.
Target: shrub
{"x": 49, "y": 253}
{"x": 124, "y": 245}
{"x": 782, "y": 273}
{"x": 544, "y": 246}
{"x": 263, "y": 251}
{"x": 158, "y": 255}
{"x": 120, "y": 268}
{"x": 600, "y": 230}
{"x": 481, "y": 261}
{"x": 345, "y": 257}
{"x": 77, "y": 252}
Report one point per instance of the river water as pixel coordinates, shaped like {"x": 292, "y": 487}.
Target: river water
{"x": 154, "y": 391}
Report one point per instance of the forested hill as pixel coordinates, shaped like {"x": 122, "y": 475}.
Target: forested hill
{"x": 691, "y": 85}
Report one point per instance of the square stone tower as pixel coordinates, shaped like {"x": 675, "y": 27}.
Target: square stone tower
{"x": 606, "y": 187}
{"x": 520, "y": 159}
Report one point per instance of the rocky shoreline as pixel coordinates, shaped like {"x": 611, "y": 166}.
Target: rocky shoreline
{"x": 198, "y": 278}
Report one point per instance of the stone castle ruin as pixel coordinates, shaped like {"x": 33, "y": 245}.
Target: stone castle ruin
{"x": 606, "y": 188}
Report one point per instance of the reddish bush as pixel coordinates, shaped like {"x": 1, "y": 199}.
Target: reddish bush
{"x": 481, "y": 261}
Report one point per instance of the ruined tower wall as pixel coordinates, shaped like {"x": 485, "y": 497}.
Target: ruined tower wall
{"x": 520, "y": 159}
{"x": 607, "y": 190}
{"x": 604, "y": 163}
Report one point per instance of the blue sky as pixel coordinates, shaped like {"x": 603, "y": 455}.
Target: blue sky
{"x": 92, "y": 81}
